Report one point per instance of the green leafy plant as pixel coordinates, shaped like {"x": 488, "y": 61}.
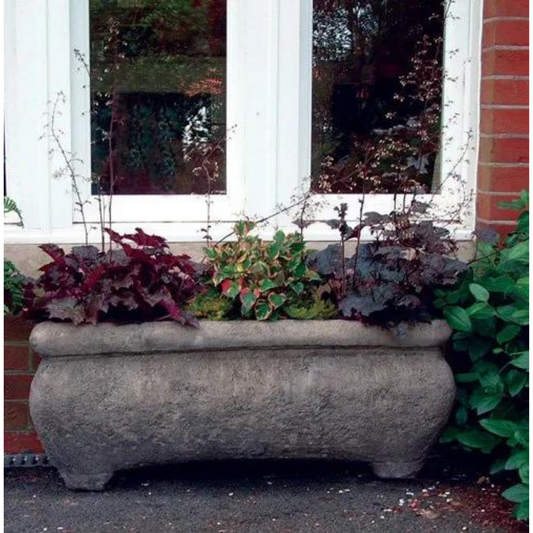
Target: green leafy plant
{"x": 489, "y": 313}
{"x": 13, "y": 288}
{"x": 13, "y": 280}
{"x": 10, "y": 206}
{"x": 261, "y": 279}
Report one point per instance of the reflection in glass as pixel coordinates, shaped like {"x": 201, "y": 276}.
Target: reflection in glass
{"x": 377, "y": 81}
{"x": 158, "y": 111}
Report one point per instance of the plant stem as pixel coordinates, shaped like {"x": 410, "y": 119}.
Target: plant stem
{"x": 67, "y": 158}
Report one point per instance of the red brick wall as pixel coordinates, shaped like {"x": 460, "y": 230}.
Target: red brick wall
{"x": 504, "y": 127}
{"x": 20, "y": 364}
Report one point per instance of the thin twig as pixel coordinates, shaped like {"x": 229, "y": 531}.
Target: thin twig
{"x": 67, "y": 158}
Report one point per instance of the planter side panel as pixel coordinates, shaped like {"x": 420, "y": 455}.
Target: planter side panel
{"x": 99, "y": 414}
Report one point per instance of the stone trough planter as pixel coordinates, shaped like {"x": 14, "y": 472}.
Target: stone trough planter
{"x": 108, "y": 397}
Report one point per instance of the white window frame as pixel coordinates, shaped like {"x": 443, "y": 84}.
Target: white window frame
{"x": 269, "y": 99}
{"x": 462, "y": 58}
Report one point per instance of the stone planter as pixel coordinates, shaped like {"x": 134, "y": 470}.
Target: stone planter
{"x": 110, "y": 397}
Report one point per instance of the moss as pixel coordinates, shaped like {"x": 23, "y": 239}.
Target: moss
{"x": 314, "y": 308}
{"x": 211, "y": 305}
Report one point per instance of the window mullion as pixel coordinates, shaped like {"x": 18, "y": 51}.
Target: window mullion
{"x": 259, "y": 133}
{"x": 295, "y": 100}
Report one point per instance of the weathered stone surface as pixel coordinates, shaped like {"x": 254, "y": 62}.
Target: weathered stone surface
{"x": 112, "y": 397}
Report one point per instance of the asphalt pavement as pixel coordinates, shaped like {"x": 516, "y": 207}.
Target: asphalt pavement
{"x": 256, "y": 497}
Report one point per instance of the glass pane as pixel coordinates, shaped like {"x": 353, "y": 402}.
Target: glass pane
{"x": 377, "y": 83}
{"x": 158, "y": 88}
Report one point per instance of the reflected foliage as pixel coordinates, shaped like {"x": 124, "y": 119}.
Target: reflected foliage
{"x": 377, "y": 73}
{"x": 157, "y": 93}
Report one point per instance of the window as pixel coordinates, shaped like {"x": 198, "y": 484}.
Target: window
{"x": 370, "y": 59}
{"x": 460, "y": 55}
{"x": 158, "y": 95}
{"x": 160, "y": 69}
{"x": 281, "y": 91}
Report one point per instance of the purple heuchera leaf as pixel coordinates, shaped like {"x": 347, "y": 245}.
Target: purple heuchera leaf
{"x": 391, "y": 279}
{"x": 353, "y": 305}
{"x": 66, "y": 309}
{"x": 141, "y": 280}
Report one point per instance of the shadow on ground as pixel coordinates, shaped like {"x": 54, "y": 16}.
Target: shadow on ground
{"x": 261, "y": 497}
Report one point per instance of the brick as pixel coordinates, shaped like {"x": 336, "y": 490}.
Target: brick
{"x": 16, "y": 357}
{"x": 22, "y": 442}
{"x": 505, "y": 8}
{"x": 17, "y": 386}
{"x": 505, "y": 92}
{"x": 17, "y": 329}
{"x": 35, "y": 359}
{"x": 506, "y": 32}
{"x": 488, "y": 208}
{"x": 503, "y": 179}
{"x": 502, "y": 150}
{"x": 505, "y": 62}
{"x": 504, "y": 121}
{"x": 16, "y": 415}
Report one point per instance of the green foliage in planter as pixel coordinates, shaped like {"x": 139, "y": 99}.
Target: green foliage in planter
{"x": 489, "y": 312}
{"x": 314, "y": 308}
{"x": 211, "y": 305}
{"x": 262, "y": 279}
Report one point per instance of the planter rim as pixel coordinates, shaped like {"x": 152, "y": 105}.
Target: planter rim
{"x": 51, "y": 339}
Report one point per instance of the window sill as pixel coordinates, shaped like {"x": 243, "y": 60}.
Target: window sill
{"x": 179, "y": 232}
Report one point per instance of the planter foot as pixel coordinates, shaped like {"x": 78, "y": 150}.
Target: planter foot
{"x": 397, "y": 469}
{"x": 94, "y": 482}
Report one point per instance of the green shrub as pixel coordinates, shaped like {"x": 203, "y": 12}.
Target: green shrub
{"x": 13, "y": 288}
{"x": 489, "y": 313}
{"x": 262, "y": 280}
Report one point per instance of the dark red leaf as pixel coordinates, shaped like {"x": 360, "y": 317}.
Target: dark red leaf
{"x": 139, "y": 281}
{"x": 142, "y": 239}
